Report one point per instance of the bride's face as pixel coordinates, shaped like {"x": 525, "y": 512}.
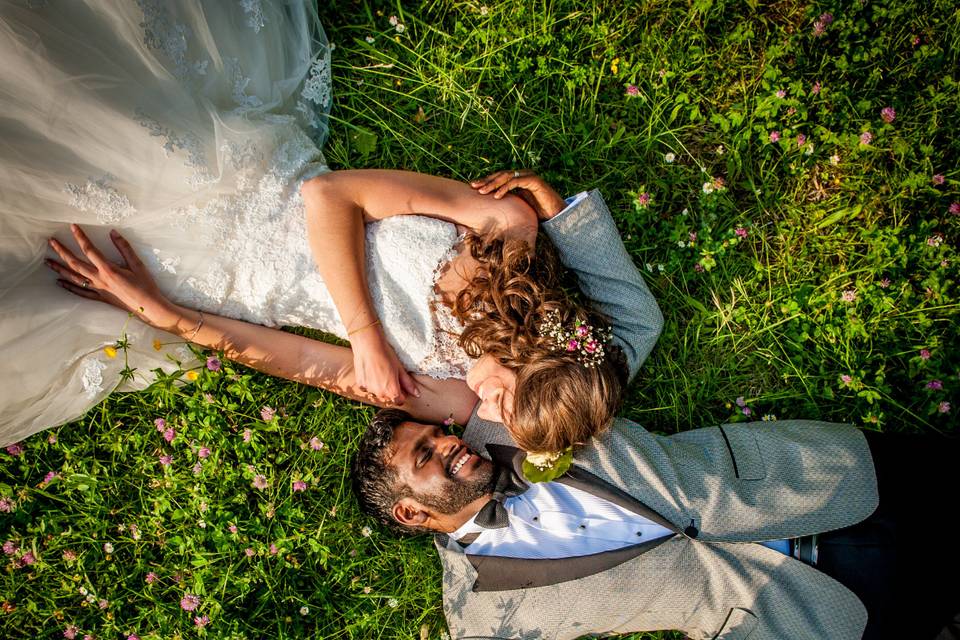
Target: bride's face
{"x": 494, "y": 384}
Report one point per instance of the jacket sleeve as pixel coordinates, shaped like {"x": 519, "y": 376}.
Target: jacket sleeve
{"x": 589, "y": 244}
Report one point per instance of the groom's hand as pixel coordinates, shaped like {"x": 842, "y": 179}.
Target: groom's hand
{"x": 526, "y": 184}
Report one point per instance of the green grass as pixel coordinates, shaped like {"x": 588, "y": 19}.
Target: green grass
{"x": 532, "y": 84}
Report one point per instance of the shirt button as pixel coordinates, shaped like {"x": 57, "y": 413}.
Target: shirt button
{"x": 583, "y": 526}
{"x": 639, "y": 533}
{"x": 535, "y": 518}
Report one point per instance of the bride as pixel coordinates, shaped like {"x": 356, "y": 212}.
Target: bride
{"x": 196, "y": 128}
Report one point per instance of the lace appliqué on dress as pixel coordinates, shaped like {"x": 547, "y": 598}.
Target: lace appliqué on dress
{"x": 254, "y": 11}
{"x": 196, "y": 158}
{"x": 448, "y": 359}
{"x": 98, "y": 196}
{"x": 315, "y": 94}
{"x": 91, "y": 376}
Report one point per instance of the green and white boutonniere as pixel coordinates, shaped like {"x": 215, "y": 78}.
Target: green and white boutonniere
{"x": 547, "y": 466}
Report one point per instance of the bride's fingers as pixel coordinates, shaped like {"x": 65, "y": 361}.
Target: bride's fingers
{"x": 67, "y": 274}
{"x": 408, "y": 384}
{"x": 79, "y": 266}
{"x": 482, "y": 181}
{"x": 89, "y": 249}
{"x": 129, "y": 255}
{"x": 80, "y": 291}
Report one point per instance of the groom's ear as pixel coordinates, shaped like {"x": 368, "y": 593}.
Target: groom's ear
{"x": 410, "y": 513}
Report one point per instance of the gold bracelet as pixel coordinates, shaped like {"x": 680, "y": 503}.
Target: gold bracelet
{"x": 197, "y": 328}
{"x": 366, "y": 326}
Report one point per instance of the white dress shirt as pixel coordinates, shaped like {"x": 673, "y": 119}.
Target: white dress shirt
{"x": 553, "y": 520}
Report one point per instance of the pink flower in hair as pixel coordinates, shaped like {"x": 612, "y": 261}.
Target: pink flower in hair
{"x": 572, "y": 345}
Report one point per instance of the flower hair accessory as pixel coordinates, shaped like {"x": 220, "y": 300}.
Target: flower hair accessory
{"x": 585, "y": 340}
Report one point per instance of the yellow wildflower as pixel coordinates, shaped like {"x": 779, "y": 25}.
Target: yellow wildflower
{"x": 110, "y": 351}
{"x": 615, "y": 66}
{"x": 192, "y": 375}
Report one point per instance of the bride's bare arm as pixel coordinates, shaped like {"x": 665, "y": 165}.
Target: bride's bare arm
{"x": 278, "y": 353}
{"x": 338, "y": 204}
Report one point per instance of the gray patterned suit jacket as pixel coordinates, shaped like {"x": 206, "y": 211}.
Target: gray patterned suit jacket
{"x": 719, "y": 489}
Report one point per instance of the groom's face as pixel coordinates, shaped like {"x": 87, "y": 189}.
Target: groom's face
{"x": 442, "y": 472}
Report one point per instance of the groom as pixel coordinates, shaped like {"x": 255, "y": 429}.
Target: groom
{"x": 711, "y": 531}
{"x": 687, "y": 532}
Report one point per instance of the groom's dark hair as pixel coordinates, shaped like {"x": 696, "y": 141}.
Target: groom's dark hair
{"x": 374, "y": 479}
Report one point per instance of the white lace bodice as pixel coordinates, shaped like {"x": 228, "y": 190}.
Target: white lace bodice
{"x": 262, "y": 270}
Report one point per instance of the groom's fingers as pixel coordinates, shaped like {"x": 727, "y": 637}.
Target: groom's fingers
{"x": 493, "y": 181}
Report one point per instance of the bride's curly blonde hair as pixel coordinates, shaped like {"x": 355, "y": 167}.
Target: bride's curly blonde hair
{"x": 558, "y": 402}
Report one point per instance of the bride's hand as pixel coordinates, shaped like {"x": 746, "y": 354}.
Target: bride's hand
{"x": 128, "y": 286}
{"x": 378, "y": 370}
{"x": 526, "y": 184}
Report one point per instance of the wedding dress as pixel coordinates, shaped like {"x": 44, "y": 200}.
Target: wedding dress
{"x": 189, "y": 126}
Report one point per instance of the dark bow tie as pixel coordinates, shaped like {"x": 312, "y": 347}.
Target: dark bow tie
{"x": 493, "y": 515}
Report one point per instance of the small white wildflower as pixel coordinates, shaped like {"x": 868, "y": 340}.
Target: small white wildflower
{"x": 393, "y": 603}
{"x": 83, "y": 591}
{"x": 768, "y": 417}
{"x": 660, "y": 268}
{"x": 809, "y": 150}
{"x": 400, "y": 28}
{"x": 834, "y": 159}
{"x": 107, "y": 547}
{"x": 685, "y": 212}
{"x": 393, "y": 21}
{"x": 708, "y": 186}
{"x": 91, "y": 598}
{"x": 484, "y": 10}
{"x": 681, "y": 244}
{"x": 669, "y": 158}
{"x": 366, "y": 532}
{"x": 649, "y": 267}
{"x": 304, "y": 610}
{"x": 720, "y": 150}
{"x": 201, "y": 524}
{"x": 370, "y": 39}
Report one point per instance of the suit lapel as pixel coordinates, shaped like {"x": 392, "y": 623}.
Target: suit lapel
{"x": 498, "y": 573}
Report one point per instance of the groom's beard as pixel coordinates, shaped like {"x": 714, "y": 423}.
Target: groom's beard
{"x": 456, "y": 494}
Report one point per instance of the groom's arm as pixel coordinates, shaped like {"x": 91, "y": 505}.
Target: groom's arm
{"x": 589, "y": 244}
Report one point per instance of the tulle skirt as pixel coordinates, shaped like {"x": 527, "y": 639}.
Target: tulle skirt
{"x": 115, "y": 114}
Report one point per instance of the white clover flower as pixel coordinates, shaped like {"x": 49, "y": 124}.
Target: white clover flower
{"x": 768, "y": 417}
{"x": 400, "y": 28}
{"x": 304, "y": 610}
{"x": 107, "y": 547}
{"x": 681, "y": 244}
{"x": 484, "y": 10}
{"x": 366, "y": 532}
{"x": 708, "y": 186}
{"x": 660, "y": 268}
{"x": 685, "y": 212}
{"x": 649, "y": 267}
{"x": 83, "y": 591}
{"x": 393, "y": 603}
{"x": 393, "y": 21}
{"x": 834, "y": 159}
{"x": 370, "y": 39}
{"x": 669, "y": 158}
{"x": 720, "y": 150}
{"x": 201, "y": 524}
